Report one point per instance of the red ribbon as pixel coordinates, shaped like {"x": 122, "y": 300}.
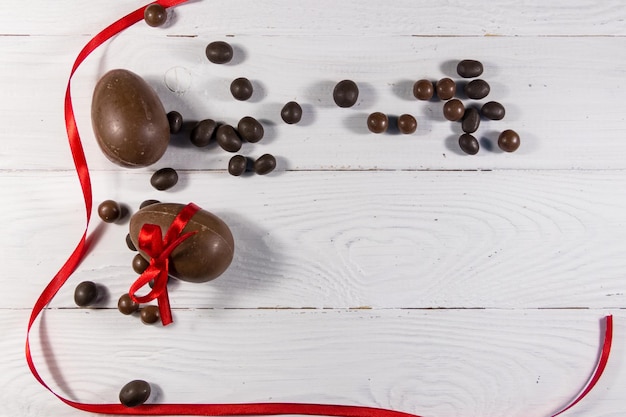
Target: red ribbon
{"x": 198, "y": 409}
{"x": 159, "y": 250}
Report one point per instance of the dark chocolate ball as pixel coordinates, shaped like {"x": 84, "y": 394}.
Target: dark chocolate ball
{"x": 85, "y": 294}
{"x": 471, "y": 120}
{"x": 250, "y": 129}
{"x": 509, "y": 141}
{"x": 469, "y": 68}
{"x": 147, "y": 203}
{"x": 219, "y": 52}
{"x": 164, "y": 179}
{"x": 493, "y": 110}
{"x": 109, "y": 211}
{"x": 126, "y": 305}
{"x": 377, "y": 122}
{"x": 175, "y": 120}
{"x": 150, "y": 314}
{"x": 228, "y": 139}
{"x": 140, "y": 264}
{"x": 241, "y": 88}
{"x": 237, "y": 165}
{"x": 407, "y": 124}
{"x": 135, "y": 393}
{"x": 129, "y": 243}
{"x": 423, "y": 89}
{"x": 265, "y": 164}
{"x": 469, "y": 144}
{"x": 346, "y": 93}
{"x": 203, "y": 132}
{"x": 477, "y": 89}
{"x": 446, "y": 88}
{"x": 453, "y": 110}
{"x": 291, "y": 113}
{"x": 155, "y": 15}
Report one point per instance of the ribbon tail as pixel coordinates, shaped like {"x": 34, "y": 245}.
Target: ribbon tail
{"x": 165, "y": 311}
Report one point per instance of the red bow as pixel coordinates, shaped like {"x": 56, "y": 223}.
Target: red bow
{"x": 159, "y": 250}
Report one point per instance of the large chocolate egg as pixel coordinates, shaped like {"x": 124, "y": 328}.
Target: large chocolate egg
{"x": 201, "y": 257}
{"x": 129, "y": 120}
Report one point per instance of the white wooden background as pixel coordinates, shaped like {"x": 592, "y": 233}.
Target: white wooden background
{"x": 378, "y": 270}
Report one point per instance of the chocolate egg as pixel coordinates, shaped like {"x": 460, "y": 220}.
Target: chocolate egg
{"x": 201, "y": 257}
{"x": 129, "y": 121}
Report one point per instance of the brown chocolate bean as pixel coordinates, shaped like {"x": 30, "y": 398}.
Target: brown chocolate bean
{"x": 509, "y": 141}
{"x": 150, "y": 314}
{"x": 219, "y": 52}
{"x": 109, "y": 211}
{"x": 469, "y": 68}
{"x": 164, "y": 179}
{"x": 241, "y": 89}
{"x": 155, "y": 15}
{"x": 135, "y": 393}
{"x": 85, "y": 294}
{"x": 228, "y": 139}
{"x": 477, "y": 89}
{"x": 140, "y": 264}
{"x": 126, "y": 305}
{"x": 129, "y": 121}
{"x": 471, "y": 120}
{"x": 238, "y": 164}
{"x": 377, "y": 122}
{"x": 407, "y": 124}
{"x": 264, "y": 164}
{"x": 175, "y": 119}
{"x": 446, "y": 88}
{"x": 345, "y": 93}
{"x": 200, "y": 258}
{"x": 469, "y": 144}
{"x": 203, "y": 132}
{"x": 423, "y": 89}
{"x": 250, "y": 129}
{"x": 453, "y": 110}
{"x": 291, "y": 113}
{"x": 493, "y": 110}
{"x": 146, "y": 203}
{"x": 130, "y": 243}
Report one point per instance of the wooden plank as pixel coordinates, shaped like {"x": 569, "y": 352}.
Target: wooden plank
{"x": 351, "y": 17}
{"x": 505, "y": 239}
{"x": 433, "y": 363}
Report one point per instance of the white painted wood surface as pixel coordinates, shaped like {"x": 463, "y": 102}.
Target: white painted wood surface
{"x": 379, "y": 270}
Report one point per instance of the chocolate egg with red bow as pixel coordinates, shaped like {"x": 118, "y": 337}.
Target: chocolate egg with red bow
{"x": 203, "y": 256}
{"x": 128, "y": 119}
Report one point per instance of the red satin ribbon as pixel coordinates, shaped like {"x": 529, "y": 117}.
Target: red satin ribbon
{"x": 199, "y": 409}
{"x": 159, "y": 250}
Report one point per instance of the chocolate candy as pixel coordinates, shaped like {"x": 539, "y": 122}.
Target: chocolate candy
{"x": 219, "y": 52}
{"x": 265, "y": 164}
{"x": 164, "y": 179}
{"x": 453, "y": 110}
{"x": 508, "y": 141}
{"x": 228, "y": 139}
{"x": 250, "y": 129}
{"x": 200, "y": 258}
{"x": 130, "y": 243}
{"x": 346, "y": 93}
{"x": 423, "y": 90}
{"x": 493, "y": 110}
{"x": 175, "y": 119}
{"x": 407, "y": 124}
{"x": 85, "y": 294}
{"x": 203, "y": 132}
{"x": 146, "y": 203}
{"x": 135, "y": 393}
{"x": 469, "y": 144}
{"x": 469, "y": 68}
{"x": 140, "y": 264}
{"x": 291, "y": 113}
{"x": 377, "y": 122}
{"x": 128, "y": 120}
{"x": 109, "y": 211}
{"x": 471, "y": 120}
{"x": 446, "y": 88}
{"x": 155, "y": 15}
{"x": 241, "y": 88}
{"x": 477, "y": 89}
{"x": 126, "y": 305}
{"x": 238, "y": 164}
{"x": 149, "y": 314}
